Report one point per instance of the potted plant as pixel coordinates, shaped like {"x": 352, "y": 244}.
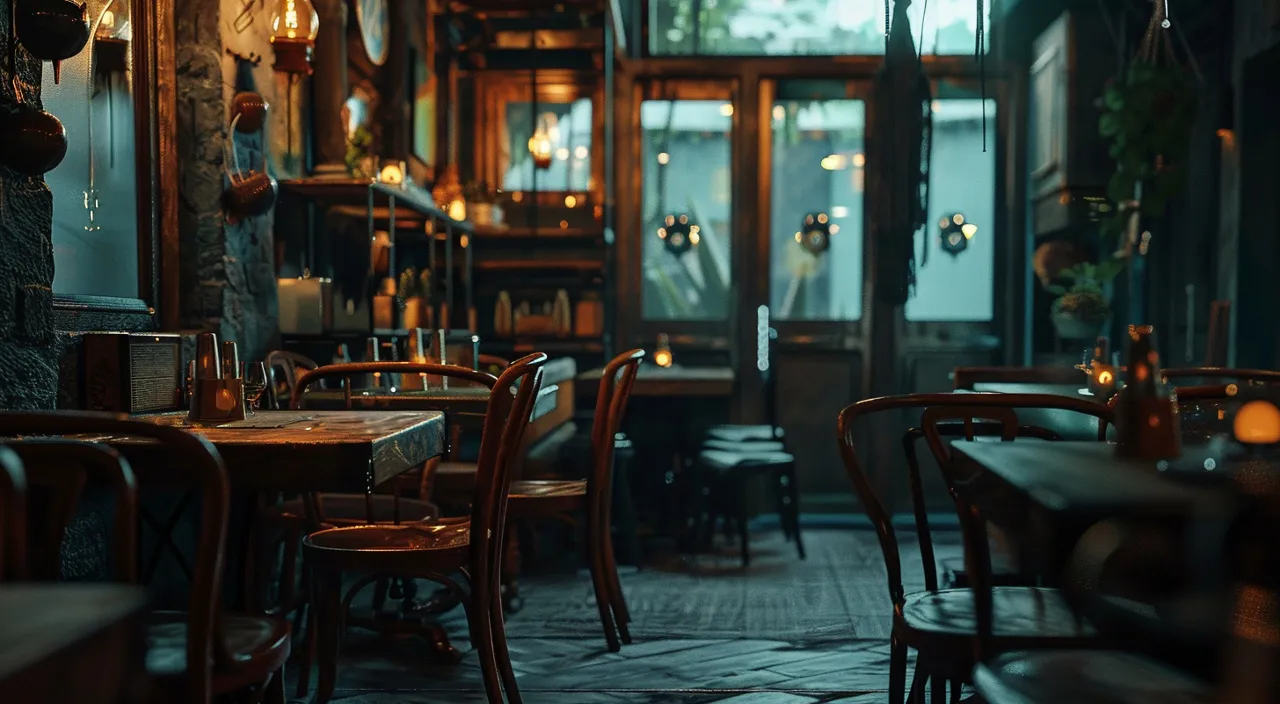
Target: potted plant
{"x": 1082, "y": 308}
{"x": 482, "y": 202}
{"x": 358, "y": 160}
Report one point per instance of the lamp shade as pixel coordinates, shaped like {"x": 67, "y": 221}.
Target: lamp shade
{"x": 294, "y": 24}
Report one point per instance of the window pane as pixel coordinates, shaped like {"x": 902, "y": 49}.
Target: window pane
{"x": 805, "y": 27}
{"x": 686, "y": 230}
{"x": 818, "y": 169}
{"x": 962, "y": 180}
{"x": 568, "y": 126}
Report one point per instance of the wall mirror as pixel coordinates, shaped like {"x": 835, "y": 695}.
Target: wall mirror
{"x": 109, "y": 207}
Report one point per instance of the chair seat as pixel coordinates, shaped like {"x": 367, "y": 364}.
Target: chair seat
{"x": 720, "y": 460}
{"x": 1094, "y": 676}
{"x": 741, "y": 433}
{"x": 533, "y": 498}
{"x": 744, "y": 446}
{"x": 257, "y": 645}
{"x": 1022, "y": 615}
{"x": 352, "y": 509}
{"x": 391, "y": 547}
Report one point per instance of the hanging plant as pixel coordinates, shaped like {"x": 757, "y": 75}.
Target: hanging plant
{"x": 1147, "y": 115}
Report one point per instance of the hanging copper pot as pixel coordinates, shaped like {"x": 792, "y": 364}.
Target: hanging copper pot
{"x": 253, "y": 194}
{"x": 34, "y": 142}
{"x": 249, "y": 112}
{"x": 52, "y": 30}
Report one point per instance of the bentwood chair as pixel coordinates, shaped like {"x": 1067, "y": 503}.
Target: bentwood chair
{"x": 204, "y": 652}
{"x": 472, "y": 547}
{"x": 555, "y": 498}
{"x": 13, "y": 516}
{"x": 965, "y": 378}
{"x": 283, "y": 369}
{"x": 939, "y": 624}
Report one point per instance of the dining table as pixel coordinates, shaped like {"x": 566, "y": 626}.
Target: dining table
{"x": 83, "y": 643}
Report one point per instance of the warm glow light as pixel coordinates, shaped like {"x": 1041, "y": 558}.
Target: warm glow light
{"x": 294, "y": 20}
{"x": 664, "y": 158}
{"x": 392, "y": 174}
{"x": 835, "y": 162}
{"x": 779, "y": 113}
{"x": 957, "y": 219}
{"x": 662, "y": 358}
{"x": 570, "y": 201}
{"x": 540, "y": 147}
{"x": 580, "y": 152}
{"x": 1105, "y": 377}
{"x": 1257, "y": 423}
{"x": 458, "y": 210}
{"x": 969, "y": 230}
{"x": 517, "y": 196}
{"x": 108, "y": 20}
{"x": 562, "y": 153}
{"x": 726, "y": 109}
{"x": 859, "y": 160}
{"x": 839, "y": 211}
{"x": 464, "y": 240}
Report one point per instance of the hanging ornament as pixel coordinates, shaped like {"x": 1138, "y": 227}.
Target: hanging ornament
{"x": 540, "y": 146}
{"x": 678, "y": 234}
{"x": 294, "y": 25}
{"x": 32, "y": 141}
{"x": 815, "y": 233}
{"x": 251, "y": 193}
{"x": 954, "y": 234}
{"x": 51, "y": 30}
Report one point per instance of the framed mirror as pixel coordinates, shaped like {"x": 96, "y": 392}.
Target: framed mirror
{"x": 114, "y": 195}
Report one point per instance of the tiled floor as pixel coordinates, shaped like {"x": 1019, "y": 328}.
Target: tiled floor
{"x": 703, "y": 661}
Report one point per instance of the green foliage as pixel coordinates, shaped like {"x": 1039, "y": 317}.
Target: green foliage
{"x": 408, "y": 287}
{"x": 1147, "y": 114}
{"x": 357, "y": 149}
{"x": 1087, "y": 278}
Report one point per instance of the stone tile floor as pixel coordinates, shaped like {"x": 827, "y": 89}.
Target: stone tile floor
{"x": 662, "y": 665}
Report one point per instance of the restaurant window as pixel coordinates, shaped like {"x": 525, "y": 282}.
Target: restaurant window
{"x": 818, "y": 172}
{"x": 962, "y": 181}
{"x": 568, "y": 125}
{"x": 686, "y": 204}
{"x": 804, "y": 27}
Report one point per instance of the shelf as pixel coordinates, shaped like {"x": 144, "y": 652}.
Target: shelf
{"x": 534, "y": 265}
{"x": 550, "y": 344}
{"x": 412, "y": 202}
{"x": 490, "y": 232}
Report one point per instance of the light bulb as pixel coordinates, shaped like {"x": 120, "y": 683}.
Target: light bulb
{"x": 540, "y": 147}
{"x": 294, "y": 20}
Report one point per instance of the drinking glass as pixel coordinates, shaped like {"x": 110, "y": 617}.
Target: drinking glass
{"x": 254, "y": 375}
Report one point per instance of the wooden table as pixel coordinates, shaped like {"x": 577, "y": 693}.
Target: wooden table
{"x": 675, "y": 381}
{"x": 334, "y": 451}
{"x": 1048, "y": 493}
{"x": 81, "y": 643}
{"x": 1068, "y": 424}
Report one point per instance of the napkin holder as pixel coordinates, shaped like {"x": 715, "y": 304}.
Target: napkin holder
{"x": 216, "y": 401}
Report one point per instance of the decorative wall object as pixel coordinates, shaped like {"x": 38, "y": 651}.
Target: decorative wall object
{"x": 678, "y": 234}
{"x": 954, "y": 234}
{"x": 35, "y": 141}
{"x": 815, "y": 233}
{"x": 371, "y": 15}
{"x": 51, "y": 30}
{"x": 294, "y": 25}
{"x": 249, "y": 194}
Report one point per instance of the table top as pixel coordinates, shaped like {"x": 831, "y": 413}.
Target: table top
{"x": 1073, "y": 390}
{"x": 1087, "y": 479}
{"x": 39, "y": 622}
{"x": 307, "y": 450}
{"x": 461, "y": 399}
{"x": 653, "y": 380}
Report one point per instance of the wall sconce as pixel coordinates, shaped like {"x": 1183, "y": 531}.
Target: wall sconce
{"x": 294, "y": 25}
{"x": 662, "y": 357}
{"x": 111, "y": 40}
{"x": 448, "y": 194}
{"x": 954, "y": 234}
{"x": 815, "y": 233}
{"x": 540, "y": 146}
{"x": 393, "y": 173}
{"x": 679, "y": 234}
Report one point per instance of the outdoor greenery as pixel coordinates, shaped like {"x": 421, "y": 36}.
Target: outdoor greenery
{"x": 1082, "y": 291}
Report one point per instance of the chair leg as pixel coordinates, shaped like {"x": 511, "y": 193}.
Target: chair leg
{"x": 937, "y": 690}
{"x": 275, "y": 688}
{"x": 955, "y": 691}
{"x": 792, "y": 494}
{"x": 600, "y": 584}
{"x": 327, "y": 603}
{"x": 501, "y": 653}
{"x": 480, "y": 618}
{"x": 617, "y": 602}
{"x": 743, "y": 529}
{"x": 897, "y": 671}
{"x": 307, "y": 652}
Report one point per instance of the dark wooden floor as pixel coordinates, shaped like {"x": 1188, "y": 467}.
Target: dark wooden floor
{"x": 837, "y": 652}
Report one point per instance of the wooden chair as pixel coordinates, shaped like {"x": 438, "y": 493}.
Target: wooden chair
{"x": 283, "y": 369}
{"x": 965, "y": 378}
{"x": 203, "y": 652}
{"x": 940, "y": 623}
{"x": 535, "y": 499}
{"x": 1260, "y": 376}
{"x": 58, "y": 472}
{"x": 473, "y": 546}
{"x": 13, "y": 516}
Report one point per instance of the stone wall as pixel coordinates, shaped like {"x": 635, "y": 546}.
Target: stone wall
{"x": 28, "y": 350}
{"x": 227, "y": 270}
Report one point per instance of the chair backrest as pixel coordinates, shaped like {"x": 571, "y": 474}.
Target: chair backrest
{"x": 979, "y": 405}
{"x": 203, "y": 467}
{"x": 357, "y": 370}
{"x": 1263, "y": 376}
{"x": 964, "y": 378}
{"x": 13, "y": 516}
{"x": 501, "y": 442}
{"x": 283, "y": 367}
{"x": 611, "y": 406}
{"x": 58, "y": 471}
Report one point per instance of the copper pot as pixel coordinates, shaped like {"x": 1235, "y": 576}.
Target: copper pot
{"x": 250, "y": 196}
{"x": 251, "y": 109}
{"x": 34, "y": 141}
{"x": 52, "y": 30}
